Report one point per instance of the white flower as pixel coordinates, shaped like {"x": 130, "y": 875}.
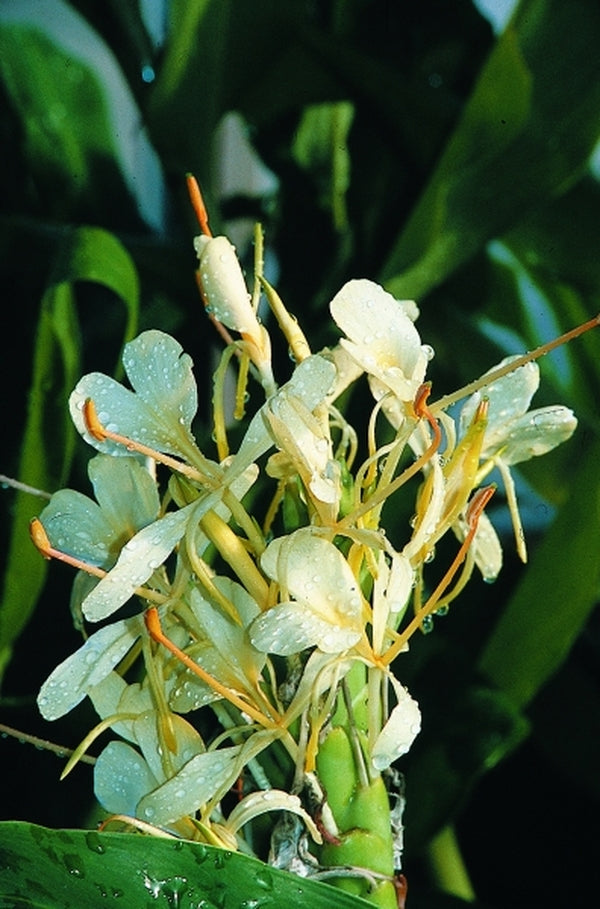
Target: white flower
{"x": 381, "y": 338}
{"x": 322, "y": 603}
{"x": 400, "y": 731}
{"x": 514, "y": 433}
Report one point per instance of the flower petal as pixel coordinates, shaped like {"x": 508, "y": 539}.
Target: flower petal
{"x": 139, "y": 558}
{"x": 508, "y": 397}
{"x": 290, "y": 628}
{"x": 536, "y": 432}
{"x": 381, "y": 336}
{"x": 125, "y": 491}
{"x": 76, "y": 526}
{"x": 121, "y": 778}
{"x": 69, "y": 683}
{"x": 400, "y": 731}
{"x": 159, "y": 414}
{"x": 194, "y": 785}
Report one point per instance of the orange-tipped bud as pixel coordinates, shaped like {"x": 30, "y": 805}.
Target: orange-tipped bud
{"x": 92, "y": 423}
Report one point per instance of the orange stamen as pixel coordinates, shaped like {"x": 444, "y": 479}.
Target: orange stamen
{"x": 198, "y": 204}
{"x": 41, "y": 542}
{"x": 101, "y": 434}
{"x": 155, "y": 631}
{"x": 474, "y": 512}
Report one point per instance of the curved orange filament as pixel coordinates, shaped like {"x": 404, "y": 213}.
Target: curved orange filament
{"x": 41, "y": 542}
{"x": 152, "y": 620}
{"x": 101, "y": 434}
{"x": 474, "y": 512}
{"x": 198, "y": 204}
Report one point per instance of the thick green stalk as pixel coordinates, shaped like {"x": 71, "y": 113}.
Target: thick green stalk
{"x": 362, "y": 814}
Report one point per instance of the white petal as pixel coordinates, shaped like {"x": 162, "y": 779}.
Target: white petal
{"x": 508, "y": 397}
{"x": 121, "y": 778}
{"x": 487, "y": 549}
{"x": 536, "y": 433}
{"x": 290, "y": 628}
{"x": 315, "y": 573}
{"x": 258, "y": 803}
{"x": 191, "y": 787}
{"x": 223, "y": 284}
{"x": 400, "y": 731}
{"x": 69, "y": 683}
{"x": 139, "y": 558}
{"x": 381, "y": 337}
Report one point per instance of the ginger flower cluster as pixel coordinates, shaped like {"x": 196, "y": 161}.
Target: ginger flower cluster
{"x": 258, "y": 586}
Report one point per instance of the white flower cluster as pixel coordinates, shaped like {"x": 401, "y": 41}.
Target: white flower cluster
{"x": 297, "y": 608}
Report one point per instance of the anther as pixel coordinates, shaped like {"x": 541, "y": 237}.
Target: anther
{"x": 92, "y": 423}
{"x": 198, "y": 204}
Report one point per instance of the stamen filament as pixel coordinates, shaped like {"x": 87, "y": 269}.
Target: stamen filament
{"x": 42, "y": 544}
{"x": 493, "y": 376}
{"x": 476, "y": 506}
{"x": 155, "y": 631}
{"x": 382, "y": 493}
{"x": 101, "y": 434}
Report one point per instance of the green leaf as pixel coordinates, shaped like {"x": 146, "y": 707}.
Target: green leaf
{"x": 50, "y": 869}
{"x": 555, "y": 596}
{"x": 476, "y": 728}
{"x": 88, "y": 254}
{"x": 525, "y": 135}
{"x": 68, "y": 139}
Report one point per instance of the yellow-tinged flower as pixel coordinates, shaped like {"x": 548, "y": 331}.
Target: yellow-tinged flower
{"x": 321, "y": 604}
{"x": 514, "y": 433}
{"x": 382, "y": 339}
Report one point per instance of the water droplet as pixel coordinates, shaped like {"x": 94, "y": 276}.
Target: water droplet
{"x": 264, "y": 879}
{"x": 73, "y": 866}
{"x": 93, "y": 842}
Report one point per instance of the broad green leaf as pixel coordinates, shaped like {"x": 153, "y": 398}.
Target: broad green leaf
{"x": 50, "y": 869}
{"x": 88, "y": 254}
{"x": 525, "y": 135}
{"x": 67, "y": 135}
{"x": 555, "y": 596}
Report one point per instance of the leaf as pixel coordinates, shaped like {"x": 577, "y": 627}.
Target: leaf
{"x": 555, "y": 596}
{"x": 88, "y": 254}
{"x": 476, "y": 728}
{"x": 68, "y": 138}
{"x": 50, "y": 869}
{"x": 526, "y": 133}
